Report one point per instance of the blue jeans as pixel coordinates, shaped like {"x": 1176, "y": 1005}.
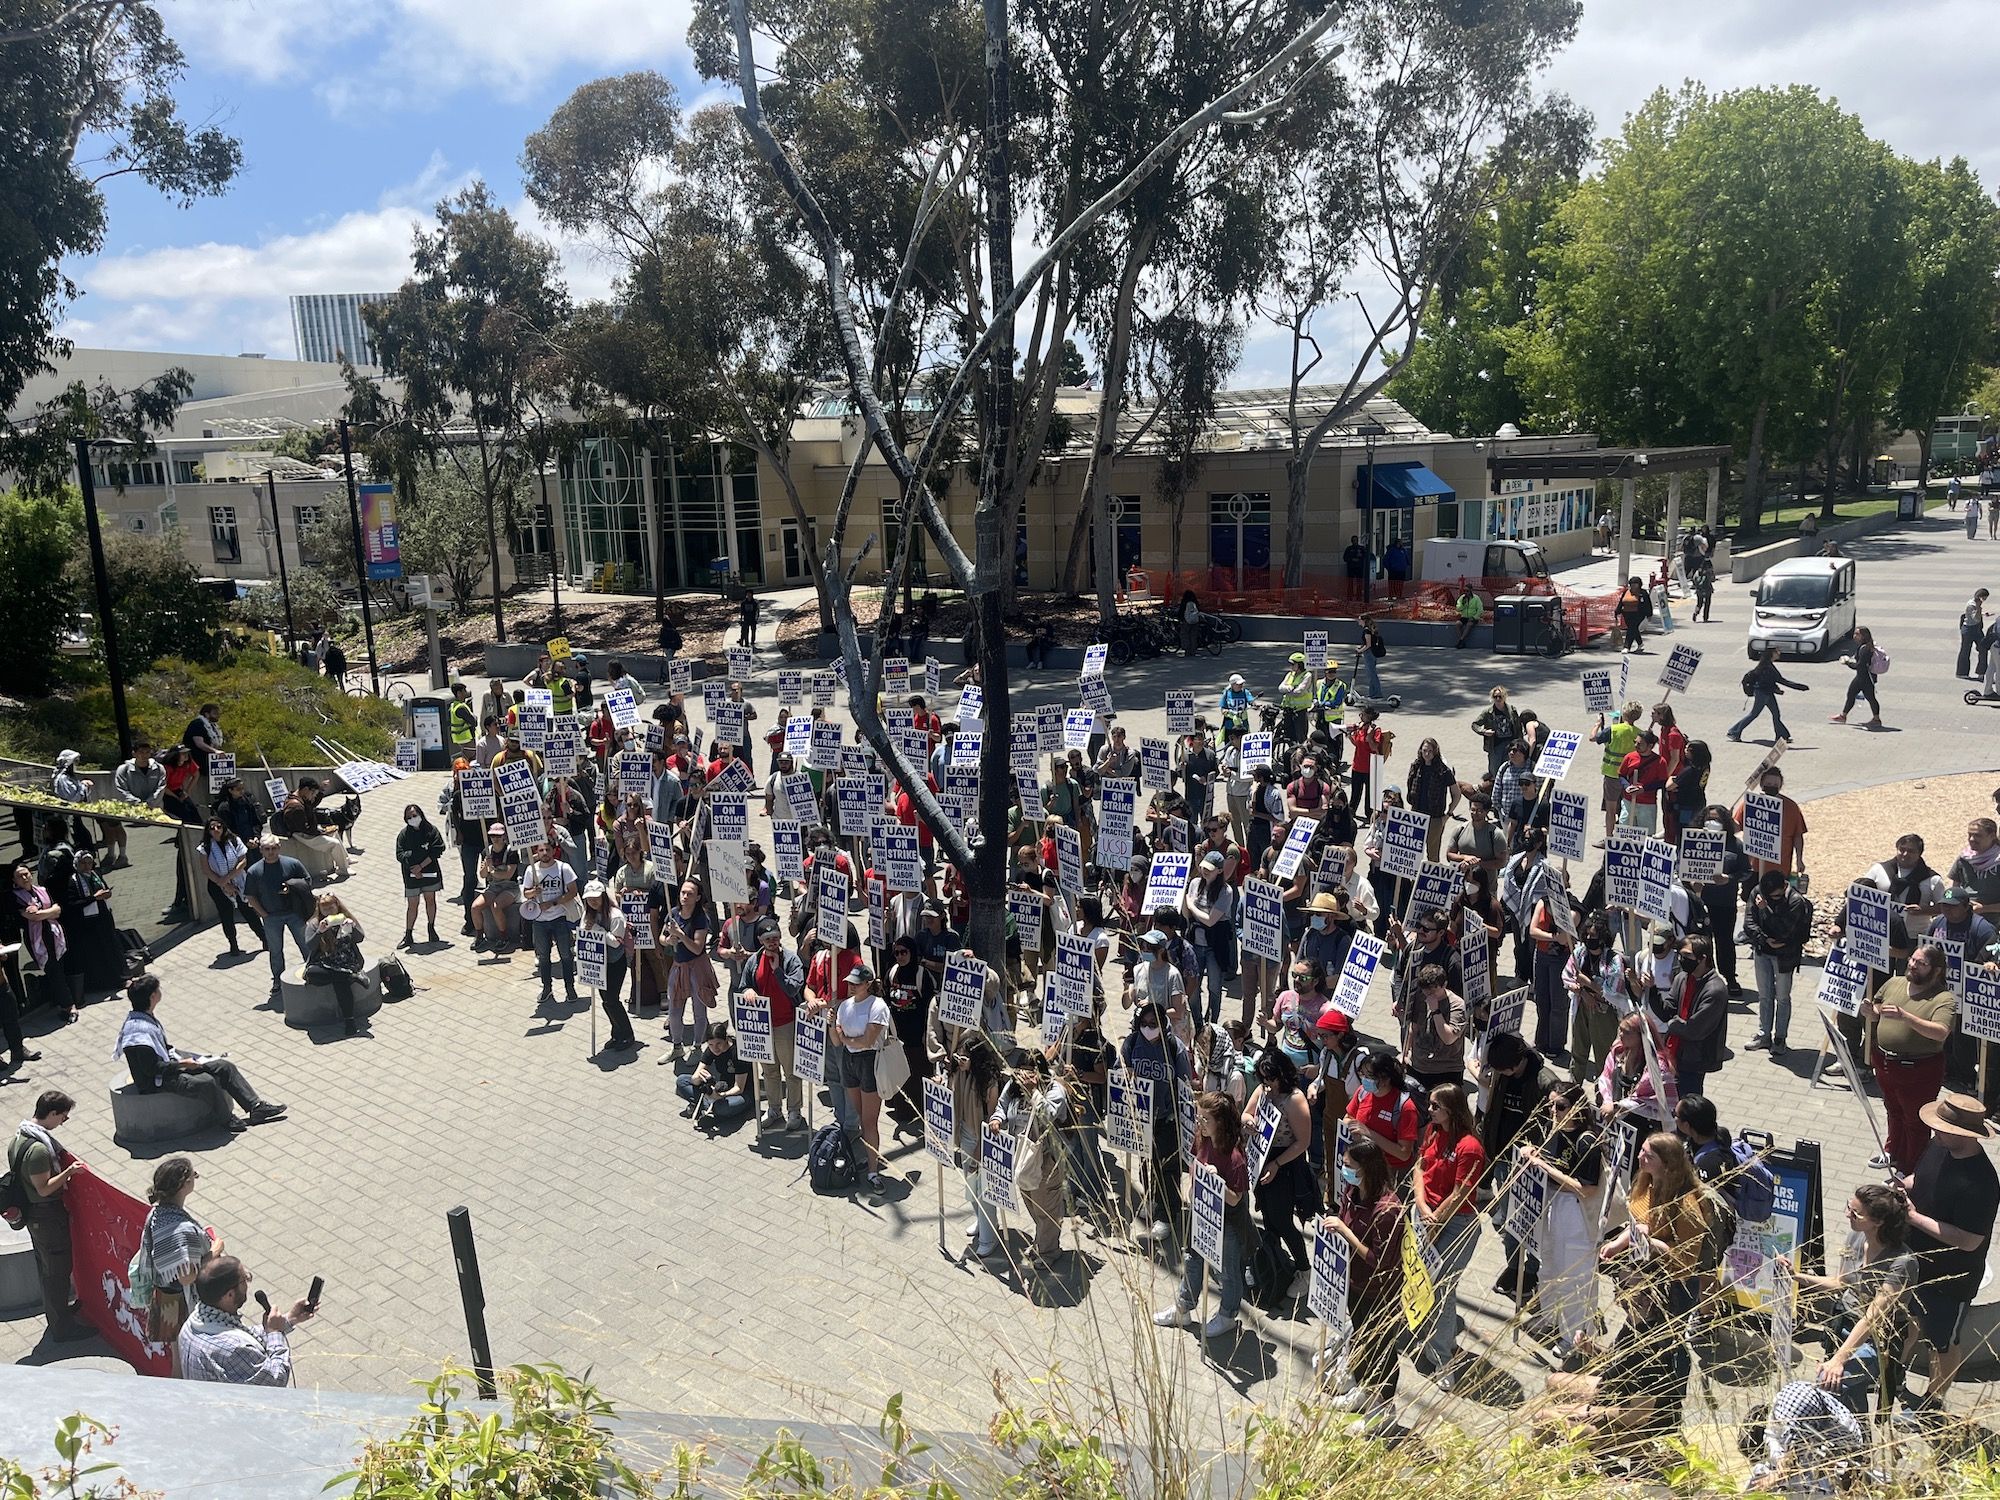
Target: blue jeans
{"x": 1194, "y": 1274}
{"x": 1210, "y": 981}
{"x": 726, "y": 1108}
{"x": 1371, "y": 682}
{"x": 1089, "y": 1185}
{"x": 1763, "y": 699}
{"x": 1774, "y": 998}
{"x": 987, "y": 1232}
{"x": 1456, "y": 1239}
{"x": 555, "y": 935}
{"x": 275, "y": 927}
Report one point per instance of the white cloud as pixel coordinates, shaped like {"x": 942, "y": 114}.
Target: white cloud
{"x": 435, "y": 45}
{"x": 228, "y": 298}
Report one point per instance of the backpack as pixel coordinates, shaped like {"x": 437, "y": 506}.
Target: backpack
{"x": 1750, "y": 1187}
{"x": 1878, "y": 661}
{"x": 396, "y": 983}
{"x": 1718, "y": 1232}
{"x": 830, "y": 1163}
{"x": 1750, "y": 684}
{"x": 13, "y": 1192}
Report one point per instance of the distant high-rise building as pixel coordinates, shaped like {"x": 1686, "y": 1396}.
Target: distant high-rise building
{"x": 327, "y": 326}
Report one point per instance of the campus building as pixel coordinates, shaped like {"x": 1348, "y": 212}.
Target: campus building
{"x": 654, "y": 507}
{"x": 327, "y": 327}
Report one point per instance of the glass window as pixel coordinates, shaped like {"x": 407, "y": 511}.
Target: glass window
{"x": 185, "y": 471}
{"x": 222, "y": 534}
{"x": 1239, "y": 541}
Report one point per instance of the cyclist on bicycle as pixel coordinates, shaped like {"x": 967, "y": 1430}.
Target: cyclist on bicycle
{"x": 1235, "y": 705}
{"x": 1330, "y": 708}
{"x": 1295, "y": 696}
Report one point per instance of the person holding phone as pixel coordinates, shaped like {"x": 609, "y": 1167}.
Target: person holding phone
{"x": 217, "y": 1344}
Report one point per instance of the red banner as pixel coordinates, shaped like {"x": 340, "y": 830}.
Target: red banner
{"x": 104, "y": 1229}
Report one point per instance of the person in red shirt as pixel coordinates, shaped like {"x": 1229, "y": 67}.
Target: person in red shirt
{"x": 780, "y": 978}
{"x": 1218, "y": 1144}
{"x": 922, "y": 718}
{"x": 1368, "y": 743}
{"x": 1448, "y": 1170}
{"x": 1644, "y": 773}
{"x": 1383, "y": 1112}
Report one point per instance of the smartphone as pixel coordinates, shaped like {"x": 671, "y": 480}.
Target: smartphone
{"x": 313, "y": 1291}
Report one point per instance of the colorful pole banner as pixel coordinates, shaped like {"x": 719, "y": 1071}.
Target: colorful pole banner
{"x": 380, "y": 535}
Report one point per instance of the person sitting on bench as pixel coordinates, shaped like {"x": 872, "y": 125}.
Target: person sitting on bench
{"x": 157, "y": 1065}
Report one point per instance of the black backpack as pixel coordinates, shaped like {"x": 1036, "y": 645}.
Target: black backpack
{"x": 1750, "y": 683}
{"x": 13, "y": 1189}
{"x": 396, "y": 983}
{"x": 830, "y": 1162}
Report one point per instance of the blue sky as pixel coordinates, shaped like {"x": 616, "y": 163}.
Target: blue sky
{"x": 355, "y": 119}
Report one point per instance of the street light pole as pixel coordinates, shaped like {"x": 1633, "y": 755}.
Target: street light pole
{"x": 547, "y": 519}
{"x": 360, "y": 562}
{"x": 284, "y": 575}
{"x": 101, "y": 577}
{"x": 1368, "y": 524}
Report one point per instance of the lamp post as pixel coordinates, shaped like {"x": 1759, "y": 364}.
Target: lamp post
{"x": 1369, "y": 434}
{"x": 101, "y": 578}
{"x": 547, "y": 519}
{"x": 360, "y": 562}
{"x": 284, "y": 574}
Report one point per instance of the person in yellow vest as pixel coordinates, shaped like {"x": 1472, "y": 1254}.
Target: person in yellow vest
{"x": 1619, "y": 739}
{"x": 1330, "y": 707}
{"x": 1295, "y": 696}
{"x": 562, "y": 693}
{"x": 462, "y": 721}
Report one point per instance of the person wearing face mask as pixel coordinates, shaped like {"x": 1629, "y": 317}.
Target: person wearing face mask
{"x": 1384, "y": 1111}
{"x": 1152, "y": 1052}
{"x": 1594, "y": 979}
{"x": 500, "y": 891}
{"x": 1157, "y": 982}
{"x": 1776, "y": 927}
{"x": 1370, "y": 1218}
{"x": 419, "y": 848}
{"x": 1719, "y": 895}
{"x": 1791, "y": 827}
{"x": 1329, "y": 932}
{"x": 1696, "y": 1012}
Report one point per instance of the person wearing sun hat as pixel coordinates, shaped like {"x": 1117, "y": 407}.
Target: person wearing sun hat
{"x": 1954, "y": 1196}
{"x": 1235, "y": 704}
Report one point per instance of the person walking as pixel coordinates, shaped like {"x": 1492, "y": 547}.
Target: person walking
{"x": 1634, "y": 608}
{"x": 1972, "y": 634}
{"x": 1867, "y": 662}
{"x": 1972, "y": 517}
{"x": 1763, "y": 683}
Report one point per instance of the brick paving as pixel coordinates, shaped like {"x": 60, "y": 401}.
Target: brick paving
{"x": 702, "y": 1275}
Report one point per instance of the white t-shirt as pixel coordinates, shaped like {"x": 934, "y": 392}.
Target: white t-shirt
{"x": 542, "y": 890}
{"x": 858, "y": 1012}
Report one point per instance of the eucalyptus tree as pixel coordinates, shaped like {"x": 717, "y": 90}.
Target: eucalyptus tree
{"x": 466, "y": 341}
{"x": 980, "y": 384}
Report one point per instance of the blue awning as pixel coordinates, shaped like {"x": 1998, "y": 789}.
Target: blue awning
{"x": 1400, "y": 486}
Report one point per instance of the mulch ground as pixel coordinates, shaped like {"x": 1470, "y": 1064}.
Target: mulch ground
{"x": 596, "y": 623}
{"x": 1848, "y": 833}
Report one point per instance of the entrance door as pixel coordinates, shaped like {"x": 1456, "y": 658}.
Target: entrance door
{"x": 793, "y": 549}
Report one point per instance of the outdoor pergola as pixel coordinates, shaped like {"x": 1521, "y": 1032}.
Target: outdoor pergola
{"x": 1624, "y": 465}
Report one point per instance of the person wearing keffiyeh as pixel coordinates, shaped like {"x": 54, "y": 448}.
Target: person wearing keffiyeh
{"x": 216, "y": 1344}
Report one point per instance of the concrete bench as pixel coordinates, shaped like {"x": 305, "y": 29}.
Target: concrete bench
{"x": 20, "y": 1288}
{"x": 308, "y": 1004}
{"x": 166, "y": 1114}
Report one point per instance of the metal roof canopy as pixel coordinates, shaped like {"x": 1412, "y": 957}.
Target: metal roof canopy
{"x": 1606, "y": 463}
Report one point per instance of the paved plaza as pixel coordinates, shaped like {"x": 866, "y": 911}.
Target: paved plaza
{"x": 702, "y": 1275}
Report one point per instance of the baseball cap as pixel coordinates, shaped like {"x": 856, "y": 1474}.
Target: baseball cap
{"x": 496, "y": 828}
{"x": 1333, "y": 1022}
{"x": 1236, "y": 679}
{"x": 1213, "y": 857}
{"x": 593, "y": 888}
{"x": 1152, "y": 937}
{"x": 860, "y": 974}
{"x": 1956, "y": 895}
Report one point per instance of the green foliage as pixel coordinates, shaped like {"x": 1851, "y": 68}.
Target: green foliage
{"x": 1949, "y": 330}
{"x": 1056, "y": 1462}
{"x": 441, "y": 513}
{"x": 315, "y": 603}
{"x": 37, "y": 539}
{"x": 306, "y": 444}
{"x": 73, "y": 1476}
{"x": 161, "y": 606}
{"x": 76, "y": 79}
{"x": 550, "y": 1442}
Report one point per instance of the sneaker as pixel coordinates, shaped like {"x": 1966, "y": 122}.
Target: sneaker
{"x": 1219, "y": 1325}
{"x": 1172, "y": 1317}
{"x": 878, "y": 1181}
{"x": 268, "y": 1109}
{"x": 1778, "y": 1047}
{"x": 1158, "y": 1230}
{"x": 1301, "y": 1283}
{"x": 1836, "y": 718}
{"x": 1879, "y": 1162}
{"x": 795, "y": 1122}
{"x": 770, "y": 1120}
{"x": 1757, "y": 1043}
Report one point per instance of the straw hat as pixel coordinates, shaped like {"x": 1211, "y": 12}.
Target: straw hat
{"x": 1957, "y": 1114}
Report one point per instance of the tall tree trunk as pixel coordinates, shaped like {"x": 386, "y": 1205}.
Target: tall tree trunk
{"x": 486, "y": 482}
{"x": 986, "y": 882}
{"x": 1924, "y": 463}
{"x": 1751, "y": 511}
{"x": 1833, "y": 436}
{"x": 1297, "y": 473}
{"x": 1094, "y": 510}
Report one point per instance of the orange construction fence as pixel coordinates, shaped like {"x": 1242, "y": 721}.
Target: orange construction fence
{"x": 1324, "y": 597}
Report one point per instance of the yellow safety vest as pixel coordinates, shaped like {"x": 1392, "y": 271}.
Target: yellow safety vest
{"x": 1330, "y": 695}
{"x": 464, "y": 726}
{"x": 1295, "y": 691}
{"x": 562, "y": 696}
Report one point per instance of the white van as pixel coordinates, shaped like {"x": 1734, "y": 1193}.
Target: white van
{"x": 1453, "y": 560}
{"x": 1804, "y": 607}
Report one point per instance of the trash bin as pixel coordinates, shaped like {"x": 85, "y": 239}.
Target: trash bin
{"x": 1508, "y": 612}
{"x": 427, "y": 720}
{"x": 1906, "y": 505}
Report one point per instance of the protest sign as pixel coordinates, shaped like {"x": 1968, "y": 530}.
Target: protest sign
{"x": 1437, "y": 886}
{"x": 1326, "y": 1297}
{"x": 1315, "y": 646}
{"x": 1597, "y": 697}
{"x": 1256, "y": 751}
{"x": 1980, "y": 1014}
{"x": 823, "y": 754}
{"x": 1128, "y": 1119}
{"x": 1357, "y": 972}
{"x": 1025, "y": 907}
{"x": 1569, "y": 824}
{"x": 1298, "y": 839}
{"x": 809, "y": 1047}
{"x": 902, "y": 864}
{"x": 752, "y": 1014}
{"x": 966, "y": 745}
{"x": 1078, "y": 725}
{"x": 1624, "y": 862}
{"x": 1403, "y": 834}
{"x": 1030, "y": 791}
{"x": 730, "y": 722}
{"x": 998, "y": 1151}
{"x": 791, "y": 687}
{"x": 1069, "y": 858}
{"x": 1475, "y": 961}
{"x": 221, "y": 769}
{"x": 638, "y": 920}
{"x": 821, "y": 686}
{"x": 1525, "y": 1203}
{"x": 624, "y": 708}
{"x": 1206, "y": 1209}
{"x": 971, "y": 704}
{"x": 520, "y": 803}
{"x": 940, "y": 1122}
{"x": 1702, "y": 850}
{"x": 1165, "y": 882}
{"x": 963, "y": 994}
{"x": 1867, "y": 939}
{"x": 1074, "y": 973}
{"x": 1049, "y": 728}
{"x": 1679, "y": 669}
{"x": 1508, "y": 1009}
{"x": 788, "y": 847}
{"x": 1263, "y": 919}
{"x": 406, "y": 757}
{"x": 1657, "y": 859}
{"x": 592, "y": 958}
{"x": 1094, "y": 657}
{"x": 1764, "y": 826}
{"x": 1843, "y": 983}
{"x": 1554, "y": 761}
{"x": 1095, "y": 694}
{"x": 1153, "y": 764}
{"x": 830, "y": 884}
{"x": 1180, "y": 711}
